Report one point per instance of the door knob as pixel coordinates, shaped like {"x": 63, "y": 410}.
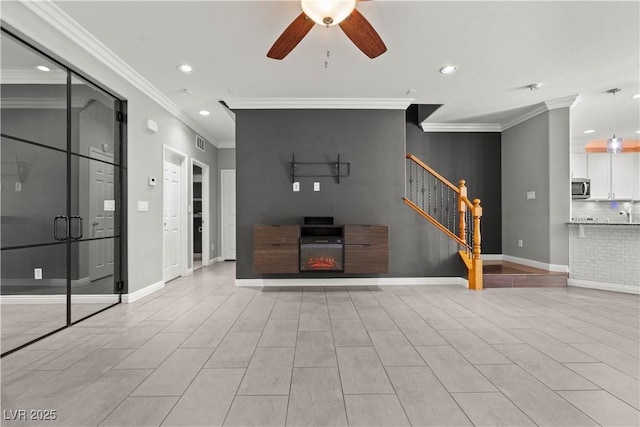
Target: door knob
{"x": 95, "y": 222}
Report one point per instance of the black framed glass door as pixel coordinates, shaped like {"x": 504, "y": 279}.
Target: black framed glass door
{"x": 61, "y": 207}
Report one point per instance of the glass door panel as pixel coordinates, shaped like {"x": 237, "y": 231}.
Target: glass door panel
{"x": 93, "y": 228}
{"x": 93, "y": 121}
{"x": 34, "y": 96}
{"x": 34, "y": 293}
{"x": 34, "y": 194}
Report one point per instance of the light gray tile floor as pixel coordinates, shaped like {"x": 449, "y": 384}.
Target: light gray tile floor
{"x": 201, "y": 352}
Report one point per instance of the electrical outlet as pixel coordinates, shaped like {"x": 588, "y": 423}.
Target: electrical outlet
{"x": 37, "y": 273}
{"x": 296, "y": 186}
{"x": 519, "y": 243}
{"x": 316, "y": 186}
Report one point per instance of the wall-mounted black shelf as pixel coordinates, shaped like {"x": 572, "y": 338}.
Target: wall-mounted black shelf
{"x": 336, "y": 169}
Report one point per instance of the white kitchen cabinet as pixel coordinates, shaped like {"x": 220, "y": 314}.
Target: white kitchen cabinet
{"x": 579, "y": 165}
{"x": 614, "y": 176}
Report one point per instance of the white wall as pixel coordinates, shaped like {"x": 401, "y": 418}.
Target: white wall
{"x": 144, "y": 148}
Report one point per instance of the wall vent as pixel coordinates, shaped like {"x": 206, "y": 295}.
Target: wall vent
{"x": 199, "y": 143}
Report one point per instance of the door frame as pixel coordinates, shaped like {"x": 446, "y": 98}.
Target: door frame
{"x": 206, "y": 246}
{"x": 222, "y": 237}
{"x": 184, "y": 203}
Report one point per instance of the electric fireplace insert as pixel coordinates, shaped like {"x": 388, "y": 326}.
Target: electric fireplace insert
{"x": 321, "y": 245}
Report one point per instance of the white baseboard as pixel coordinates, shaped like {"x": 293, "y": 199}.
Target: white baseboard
{"x": 557, "y": 268}
{"x": 364, "y": 281}
{"x": 615, "y": 287}
{"x": 216, "y": 259}
{"x": 492, "y": 257}
{"x": 141, "y": 293}
{"x": 58, "y": 299}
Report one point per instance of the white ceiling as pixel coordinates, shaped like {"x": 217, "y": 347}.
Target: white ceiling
{"x": 499, "y": 47}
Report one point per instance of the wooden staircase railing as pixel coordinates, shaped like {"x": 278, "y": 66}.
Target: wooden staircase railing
{"x": 449, "y": 209}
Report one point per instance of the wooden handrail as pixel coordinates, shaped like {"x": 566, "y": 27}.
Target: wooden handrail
{"x": 432, "y": 172}
{"x": 471, "y": 253}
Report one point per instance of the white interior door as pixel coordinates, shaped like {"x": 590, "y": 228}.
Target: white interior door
{"x": 172, "y": 179}
{"x": 228, "y": 214}
{"x": 102, "y": 222}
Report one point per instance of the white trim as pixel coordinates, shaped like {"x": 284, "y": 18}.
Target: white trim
{"x": 554, "y": 104}
{"x": 58, "y": 299}
{"x": 319, "y": 103}
{"x": 39, "y": 103}
{"x": 141, "y": 293}
{"x": 227, "y": 144}
{"x": 215, "y": 260}
{"x": 556, "y": 268}
{"x": 67, "y": 26}
{"x": 366, "y": 281}
{"x": 535, "y": 111}
{"x": 614, "y": 287}
{"x": 567, "y": 101}
{"x": 461, "y": 127}
{"x": 492, "y": 257}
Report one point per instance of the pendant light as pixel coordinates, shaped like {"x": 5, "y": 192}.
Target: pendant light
{"x": 614, "y": 144}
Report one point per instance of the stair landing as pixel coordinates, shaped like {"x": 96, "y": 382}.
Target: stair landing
{"x": 510, "y": 275}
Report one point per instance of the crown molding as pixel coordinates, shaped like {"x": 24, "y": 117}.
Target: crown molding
{"x": 535, "y": 111}
{"x": 461, "y": 127}
{"x": 319, "y": 103}
{"x": 554, "y": 104}
{"x": 227, "y": 144}
{"x": 567, "y": 101}
{"x": 67, "y": 26}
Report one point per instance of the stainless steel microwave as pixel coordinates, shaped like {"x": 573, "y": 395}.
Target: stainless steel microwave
{"x": 580, "y": 188}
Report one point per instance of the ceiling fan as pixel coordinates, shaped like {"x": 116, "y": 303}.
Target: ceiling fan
{"x": 329, "y": 13}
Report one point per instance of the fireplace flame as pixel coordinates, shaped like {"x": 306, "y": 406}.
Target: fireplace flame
{"x": 321, "y": 263}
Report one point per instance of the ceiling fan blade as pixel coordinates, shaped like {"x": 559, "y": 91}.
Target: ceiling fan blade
{"x": 362, "y": 34}
{"x": 290, "y": 38}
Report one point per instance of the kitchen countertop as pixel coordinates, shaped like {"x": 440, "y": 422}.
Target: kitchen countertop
{"x": 631, "y": 224}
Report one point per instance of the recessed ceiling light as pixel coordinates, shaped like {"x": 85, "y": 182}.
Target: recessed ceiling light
{"x": 636, "y": 96}
{"x": 411, "y": 91}
{"x": 535, "y": 86}
{"x": 185, "y": 68}
{"x": 448, "y": 69}
{"x": 204, "y": 112}
{"x": 187, "y": 91}
{"x": 589, "y": 131}
{"x": 232, "y": 90}
{"x": 43, "y": 68}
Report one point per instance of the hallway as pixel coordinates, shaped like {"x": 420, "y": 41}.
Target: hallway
{"x": 202, "y": 352}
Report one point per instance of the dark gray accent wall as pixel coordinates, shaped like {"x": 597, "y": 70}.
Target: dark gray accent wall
{"x": 474, "y": 157}
{"x": 373, "y": 141}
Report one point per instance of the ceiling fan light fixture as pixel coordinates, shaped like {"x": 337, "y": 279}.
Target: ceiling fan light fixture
{"x": 328, "y": 12}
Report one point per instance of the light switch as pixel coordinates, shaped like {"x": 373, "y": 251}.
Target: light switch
{"x": 109, "y": 205}
{"x": 531, "y": 195}
{"x": 37, "y": 273}
{"x": 316, "y": 186}
{"x": 143, "y": 206}
{"x": 296, "y": 186}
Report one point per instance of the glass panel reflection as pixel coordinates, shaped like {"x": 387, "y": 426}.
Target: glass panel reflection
{"x": 93, "y": 277}
{"x": 32, "y": 307}
{"x": 94, "y": 207}
{"x": 34, "y": 95}
{"x": 34, "y": 193}
{"x": 93, "y": 118}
